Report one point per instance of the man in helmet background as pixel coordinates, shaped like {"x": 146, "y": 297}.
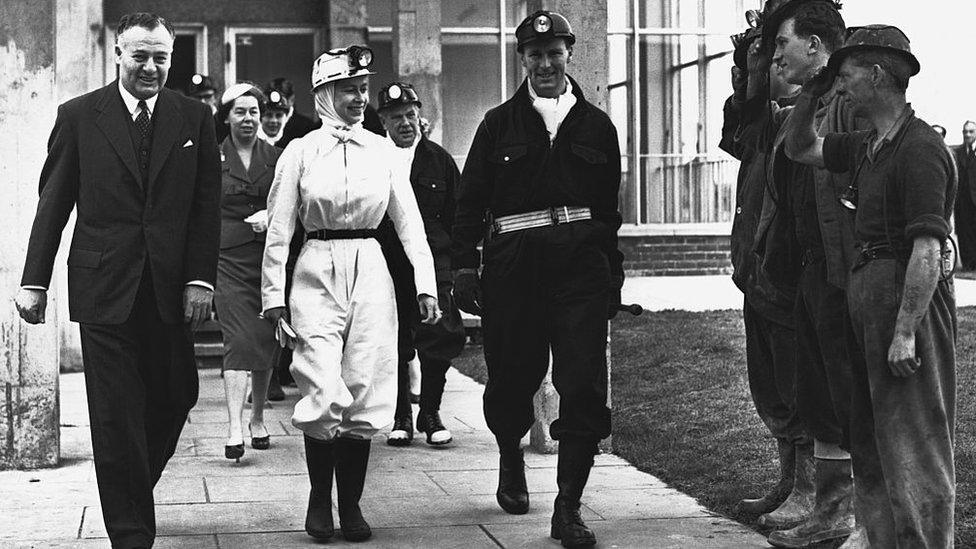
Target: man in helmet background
{"x": 201, "y": 88}
{"x": 541, "y": 178}
{"x": 434, "y": 177}
{"x": 804, "y": 242}
{"x": 900, "y": 289}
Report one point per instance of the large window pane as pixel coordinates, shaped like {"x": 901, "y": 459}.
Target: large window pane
{"x": 515, "y": 11}
{"x": 619, "y": 14}
{"x": 470, "y": 86}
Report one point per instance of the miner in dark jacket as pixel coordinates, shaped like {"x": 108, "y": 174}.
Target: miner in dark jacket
{"x": 965, "y": 209}
{"x": 541, "y": 179}
{"x": 434, "y": 177}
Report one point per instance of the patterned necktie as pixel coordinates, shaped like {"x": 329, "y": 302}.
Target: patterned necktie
{"x": 143, "y": 122}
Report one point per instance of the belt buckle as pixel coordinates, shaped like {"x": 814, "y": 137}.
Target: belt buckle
{"x": 554, "y": 216}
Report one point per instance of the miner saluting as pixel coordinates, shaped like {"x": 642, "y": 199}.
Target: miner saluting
{"x": 541, "y": 179}
{"x": 899, "y": 292}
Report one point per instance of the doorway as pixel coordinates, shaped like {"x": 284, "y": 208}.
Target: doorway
{"x": 259, "y": 54}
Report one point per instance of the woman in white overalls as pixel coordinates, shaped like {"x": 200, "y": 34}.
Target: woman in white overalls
{"x": 338, "y": 182}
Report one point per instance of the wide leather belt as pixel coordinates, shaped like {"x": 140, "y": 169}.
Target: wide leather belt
{"x": 540, "y": 218}
{"x": 342, "y": 234}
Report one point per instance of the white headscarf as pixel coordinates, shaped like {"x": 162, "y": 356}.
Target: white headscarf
{"x": 339, "y": 128}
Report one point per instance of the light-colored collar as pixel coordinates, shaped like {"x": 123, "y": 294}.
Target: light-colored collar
{"x": 132, "y": 104}
{"x": 413, "y": 147}
{"x": 535, "y": 96}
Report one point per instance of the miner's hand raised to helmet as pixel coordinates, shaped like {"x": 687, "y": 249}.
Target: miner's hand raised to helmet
{"x": 821, "y": 82}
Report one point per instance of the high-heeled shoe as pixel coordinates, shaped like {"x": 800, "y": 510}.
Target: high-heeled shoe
{"x": 260, "y": 443}
{"x": 234, "y": 452}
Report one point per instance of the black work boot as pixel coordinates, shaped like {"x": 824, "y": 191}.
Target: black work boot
{"x": 513, "y": 493}
{"x": 775, "y": 497}
{"x": 833, "y": 514}
{"x": 572, "y": 472}
{"x": 402, "y": 432}
{"x": 351, "y": 460}
{"x": 429, "y": 421}
{"x": 799, "y": 504}
{"x": 320, "y": 459}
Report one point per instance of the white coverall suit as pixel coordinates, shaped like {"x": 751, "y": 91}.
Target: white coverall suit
{"x": 342, "y": 303}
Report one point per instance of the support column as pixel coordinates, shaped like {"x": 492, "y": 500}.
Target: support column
{"x": 347, "y": 23}
{"x": 78, "y": 70}
{"x": 417, "y": 55}
{"x": 589, "y": 68}
{"x": 29, "y": 410}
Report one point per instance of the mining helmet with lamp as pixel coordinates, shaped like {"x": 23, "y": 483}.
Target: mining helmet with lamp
{"x": 397, "y": 93}
{"x": 276, "y": 101}
{"x": 340, "y": 64}
{"x": 199, "y": 85}
{"x": 543, "y": 25}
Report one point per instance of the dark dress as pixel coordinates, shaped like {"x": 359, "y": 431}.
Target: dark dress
{"x": 249, "y": 342}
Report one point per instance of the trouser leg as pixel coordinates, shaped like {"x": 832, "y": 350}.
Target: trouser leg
{"x": 141, "y": 382}
{"x": 403, "y": 390}
{"x": 771, "y": 363}
{"x": 437, "y": 345}
{"x": 903, "y": 428}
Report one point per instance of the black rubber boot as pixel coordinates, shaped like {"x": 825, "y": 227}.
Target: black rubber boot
{"x": 351, "y": 460}
{"x": 775, "y": 497}
{"x": 572, "y": 472}
{"x": 833, "y": 514}
{"x": 513, "y": 493}
{"x": 320, "y": 459}
{"x": 799, "y": 504}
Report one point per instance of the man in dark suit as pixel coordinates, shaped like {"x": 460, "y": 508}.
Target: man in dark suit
{"x": 140, "y": 164}
{"x": 964, "y": 211}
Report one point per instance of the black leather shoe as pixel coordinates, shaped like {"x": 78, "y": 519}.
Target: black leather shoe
{"x": 513, "y": 493}
{"x": 402, "y": 432}
{"x": 430, "y": 423}
{"x": 568, "y": 527}
{"x": 235, "y": 452}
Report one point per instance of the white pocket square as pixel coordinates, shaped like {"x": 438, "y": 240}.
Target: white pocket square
{"x": 189, "y": 143}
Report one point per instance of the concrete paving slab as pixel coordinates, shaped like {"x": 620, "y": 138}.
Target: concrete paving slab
{"x": 213, "y": 518}
{"x": 296, "y": 486}
{"x": 214, "y": 446}
{"x": 208, "y": 541}
{"x": 254, "y": 462}
{"x": 659, "y": 503}
{"x": 40, "y": 521}
{"x": 69, "y": 470}
{"x": 383, "y": 538}
{"x": 213, "y": 430}
{"x": 452, "y": 511}
{"x": 172, "y": 489}
{"x": 51, "y": 493}
{"x": 543, "y": 480}
{"x": 697, "y": 533}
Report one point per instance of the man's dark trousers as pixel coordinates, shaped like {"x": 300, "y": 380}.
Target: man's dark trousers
{"x": 902, "y": 429}
{"x": 771, "y": 362}
{"x": 547, "y": 288}
{"x": 824, "y": 356}
{"x": 141, "y": 381}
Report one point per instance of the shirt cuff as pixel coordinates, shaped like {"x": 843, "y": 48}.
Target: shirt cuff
{"x": 201, "y": 283}
{"x": 30, "y": 287}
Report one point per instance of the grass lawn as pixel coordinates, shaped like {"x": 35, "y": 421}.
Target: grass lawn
{"x": 682, "y": 410}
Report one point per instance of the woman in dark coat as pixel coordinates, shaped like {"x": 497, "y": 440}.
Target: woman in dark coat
{"x": 248, "y": 167}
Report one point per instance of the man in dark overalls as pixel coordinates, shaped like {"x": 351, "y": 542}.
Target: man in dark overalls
{"x": 434, "y": 177}
{"x": 542, "y": 177}
{"x": 900, "y": 290}
{"x": 803, "y": 209}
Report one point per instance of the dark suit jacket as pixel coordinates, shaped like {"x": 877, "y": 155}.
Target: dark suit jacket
{"x": 171, "y": 220}
{"x": 244, "y": 191}
{"x": 967, "y": 177}
{"x": 298, "y": 126}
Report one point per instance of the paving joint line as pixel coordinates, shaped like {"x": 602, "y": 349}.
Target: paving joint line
{"x": 490, "y": 536}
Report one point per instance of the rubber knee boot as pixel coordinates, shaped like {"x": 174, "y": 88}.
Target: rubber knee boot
{"x": 351, "y": 460}
{"x": 775, "y": 497}
{"x": 513, "y": 493}
{"x": 319, "y": 458}
{"x": 572, "y": 472}
{"x": 799, "y": 504}
{"x": 833, "y": 513}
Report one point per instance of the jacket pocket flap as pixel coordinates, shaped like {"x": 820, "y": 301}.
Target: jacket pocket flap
{"x": 84, "y": 258}
{"x": 432, "y": 184}
{"x": 505, "y": 155}
{"x": 591, "y": 155}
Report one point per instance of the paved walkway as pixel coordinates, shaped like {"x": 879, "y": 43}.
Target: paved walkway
{"x": 415, "y": 497}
